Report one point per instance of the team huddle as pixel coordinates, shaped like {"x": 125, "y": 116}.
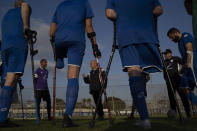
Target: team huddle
{"x": 138, "y": 47}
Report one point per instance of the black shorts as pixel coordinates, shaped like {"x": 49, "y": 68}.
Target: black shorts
{"x": 43, "y": 94}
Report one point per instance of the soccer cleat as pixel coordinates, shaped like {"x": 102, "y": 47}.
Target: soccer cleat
{"x": 8, "y": 124}
{"x": 60, "y": 63}
{"x": 67, "y": 122}
{"x": 143, "y": 123}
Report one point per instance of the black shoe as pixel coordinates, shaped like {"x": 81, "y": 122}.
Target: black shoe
{"x": 100, "y": 118}
{"x": 8, "y": 124}
{"x": 67, "y": 122}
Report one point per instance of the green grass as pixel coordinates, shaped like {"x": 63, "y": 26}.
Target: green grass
{"x": 158, "y": 124}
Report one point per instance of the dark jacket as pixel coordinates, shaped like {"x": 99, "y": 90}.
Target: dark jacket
{"x": 173, "y": 66}
{"x": 93, "y": 80}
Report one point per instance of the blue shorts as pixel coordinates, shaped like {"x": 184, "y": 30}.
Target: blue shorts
{"x": 13, "y": 60}
{"x": 74, "y": 51}
{"x": 146, "y": 56}
{"x": 187, "y": 80}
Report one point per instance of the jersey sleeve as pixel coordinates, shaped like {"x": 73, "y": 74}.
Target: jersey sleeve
{"x": 47, "y": 74}
{"x": 54, "y": 19}
{"x": 89, "y": 12}
{"x": 36, "y": 73}
{"x": 187, "y": 38}
{"x": 110, "y": 4}
{"x": 156, "y": 3}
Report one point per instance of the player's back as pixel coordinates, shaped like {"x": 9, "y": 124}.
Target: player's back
{"x": 135, "y": 21}
{"x": 135, "y": 14}
{"x": 12, "y": 28}
{"x": 70, "y": 16}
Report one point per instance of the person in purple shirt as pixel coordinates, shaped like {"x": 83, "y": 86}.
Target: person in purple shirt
{"x": 42, "y": 90}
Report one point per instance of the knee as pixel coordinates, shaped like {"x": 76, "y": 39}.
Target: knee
{"x": 11, "y": 79}
{"x": 10, "y": 82}
{"x": 73, "y": 72}
{"x": 185, "y": 90}
{"x": 134, "y": 71}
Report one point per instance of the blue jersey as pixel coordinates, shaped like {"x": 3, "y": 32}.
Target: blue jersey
{"x": 185, "y": 39}
{"x": 70, "y": 17}
{"x": 135, "y": 21}
{"x": 12, "y": 30}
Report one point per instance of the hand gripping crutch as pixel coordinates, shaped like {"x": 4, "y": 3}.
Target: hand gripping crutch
{"x": 31, "y": 35}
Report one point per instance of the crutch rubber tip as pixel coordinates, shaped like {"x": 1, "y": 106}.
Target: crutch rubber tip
{"x": 92, "y": 124}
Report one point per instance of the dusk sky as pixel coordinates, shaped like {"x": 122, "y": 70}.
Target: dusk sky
{"x": 42, "y": 11}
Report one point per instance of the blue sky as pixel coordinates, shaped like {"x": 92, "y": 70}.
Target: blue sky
{"x": 174, "y": 16}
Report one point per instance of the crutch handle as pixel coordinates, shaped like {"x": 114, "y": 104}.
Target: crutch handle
{"x": 31, "y": 35}
{"x": 52, "y": 39}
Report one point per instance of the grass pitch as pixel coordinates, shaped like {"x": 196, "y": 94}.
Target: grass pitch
{"x": 120, "y": 124}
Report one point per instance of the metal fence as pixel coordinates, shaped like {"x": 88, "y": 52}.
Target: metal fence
{"x": 157, "y": 102}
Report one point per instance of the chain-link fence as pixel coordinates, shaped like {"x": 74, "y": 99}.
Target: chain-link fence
{"x": 157, "y": 102}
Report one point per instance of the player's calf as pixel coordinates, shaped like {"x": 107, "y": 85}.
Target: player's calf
{"x": 137, "y": 92}
{"x": 6, "y": 96}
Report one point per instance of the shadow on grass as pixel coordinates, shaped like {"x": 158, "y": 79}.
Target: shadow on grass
{"x": 158, "y": 124}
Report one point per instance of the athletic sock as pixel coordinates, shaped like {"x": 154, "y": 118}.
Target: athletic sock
{"x": 137, "y": 92}
{"x": 71, "y": 95}
{"x": 5, "y": 102}
{"x": 192, "y": 97}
